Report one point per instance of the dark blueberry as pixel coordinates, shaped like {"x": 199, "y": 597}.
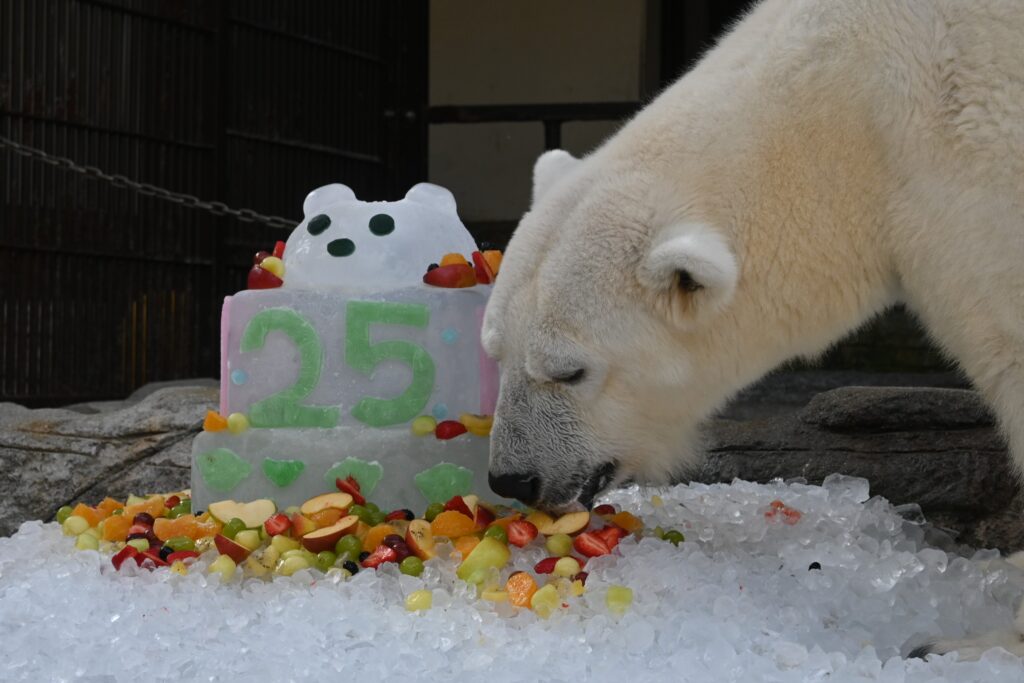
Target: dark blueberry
{"x": 342, "y": 247}
{"x": 382, "y": 224}
{"x": 351, "y": 566}
{"x": 143, "y": 518}
{"x": 318, "y": 224}
{"x": 409, "y": 516}
{"x": 432, "y": 266}
{"x": 165, "y": 551}
{"x": 363, "y": 555}
{"x": 814, "y": 565}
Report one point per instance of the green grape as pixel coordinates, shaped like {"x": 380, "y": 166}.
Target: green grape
{"x": 232, "y": 527}
{"x": 372, "y": 507}
{"x": 412, "y": 565}
{"x": 349, "y": 545}
{"x": 433, "y": 510}
{"x": 559, "y": 545}
{"x": 177, "y": 543}
{"x": 376, "y": 518}
{"x": 497, "y": 533}
{"x": 361, "y": 512}
{"x": 325, "y": 560}
{"x": 674, "y": 537}
{"x": 63, "y": 513}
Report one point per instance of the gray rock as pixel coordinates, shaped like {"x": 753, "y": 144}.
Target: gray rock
{"x": 54, "y": 457}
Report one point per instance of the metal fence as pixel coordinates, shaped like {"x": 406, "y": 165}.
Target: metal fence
{"x": 249, "y": 102}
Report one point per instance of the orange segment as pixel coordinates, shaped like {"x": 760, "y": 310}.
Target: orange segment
{"x": 376, "y": 535}
{"x": 452, "y": 260}
{"x": 91, "y": 515}
{"x": 213, "y": 422}
{"x": 493, "y": 258}
{"x": 520, "y": 588}
{"x": 115, "y": 528}
{"x": 465, "y": 545}
{"x": 627, "y": 521}
{"x": 108, "y": 505}
{"x": 326, "y": 517}
{"x": 452, "y": 524}
{"x": 186, "y": 525}
{"x": 154, "y": 505}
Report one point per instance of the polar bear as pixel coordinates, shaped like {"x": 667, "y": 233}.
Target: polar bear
{"x": 826, "y": 160}
{"x": 356, "y": 246}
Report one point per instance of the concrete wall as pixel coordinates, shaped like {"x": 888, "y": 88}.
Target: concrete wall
{"x": 523, "y": 52}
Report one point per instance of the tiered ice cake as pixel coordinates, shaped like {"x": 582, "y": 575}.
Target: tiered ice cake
{"x": 355, "y": 352}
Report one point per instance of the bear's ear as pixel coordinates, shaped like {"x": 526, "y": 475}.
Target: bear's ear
{"x": 322, "y": 197}
{"x": 551, "y": 167}
{"x": 694, "y": 260}
{"x": 434, "y": 196}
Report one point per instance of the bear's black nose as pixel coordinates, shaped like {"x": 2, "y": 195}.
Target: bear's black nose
{"x": 524, "y": 487}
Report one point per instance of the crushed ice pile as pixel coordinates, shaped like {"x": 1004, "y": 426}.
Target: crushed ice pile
{"x": 735, "y": 602}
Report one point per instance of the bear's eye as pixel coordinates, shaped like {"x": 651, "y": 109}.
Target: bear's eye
{"x": 382, "y": 224}
{"x": 574, "y": 377}
{"x": 687, "y": 283}
{"x": 318, "y": 224}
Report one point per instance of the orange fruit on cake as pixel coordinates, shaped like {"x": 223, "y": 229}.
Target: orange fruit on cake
{"x": 452, "y": 524}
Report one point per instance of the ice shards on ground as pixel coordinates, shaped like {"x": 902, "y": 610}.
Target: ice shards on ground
{"x": 741, "y": 604}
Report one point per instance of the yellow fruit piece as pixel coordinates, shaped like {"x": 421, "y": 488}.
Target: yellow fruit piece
{"x": 618, "y": 599}
{"x": 520, "y": 588}
{"x": 656, "y": 501}
{"x": 375, "y": 536}
{"x": 274, "y": 265}
{"x": 419, "y": 600}
{"x": 480, "y": 425}
{"x": 494, "y": 595}
{"x": 567, "y": 566}
{"x": 291, "y": 564}
{"x": 424, "y": 425}
{"x": 255, "y": 567}
{"x": 224, "y": 566}
{"x": 627, "y": 521}
{"x": 326, "y": 517}
{"x": 237, "y": 423}
{"x": 541, "y": 520}
{"x": 453, "y": 260}
{"x": 545, "y": 601}
{"x": 577, "y": 589}
{"x": 214, "y": 422}
{"x": 451, "y": 524}
{"x": 179, "y": 568}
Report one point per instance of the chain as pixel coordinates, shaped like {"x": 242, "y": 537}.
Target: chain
{"x": 120, "y": 181}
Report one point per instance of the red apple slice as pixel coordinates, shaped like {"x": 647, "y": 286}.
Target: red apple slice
{"x": 337, "y": 500}
{"x": 484, "y": 517}
{"x": 458, "y": 503}
{"x": 351, "y": 487}
{"x": 569, "y": 523}
{"x": 420, "y": 539}
{"x": 302, "y": 525}
{"x": 225, "y": 546}
{"x": 324, "y": 539}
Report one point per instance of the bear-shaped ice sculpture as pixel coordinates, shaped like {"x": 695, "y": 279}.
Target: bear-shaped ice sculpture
{"x": 343, "y": 243}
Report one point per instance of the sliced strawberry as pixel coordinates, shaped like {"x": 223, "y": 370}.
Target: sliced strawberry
{"x": 449, "y": 429}
{"x": 126, "y": 552}
{"x": 484, "y": 274}
{"x": 521, "y": 532}
{"x": 459, "y": 505}
{"x": 277, "y": 524}
{"x": 379, "y": 556}
{"x": 547, "y": 565}
{"x": 182, "y": 555}
{"x": 404, "y": 513}
{"x": 279, "y": 249}
{"x": 261, "y": 278}
{"x": 611, "y": 535}
{"x": 346, "y": 486}
{"x": 590, "y": 544}
{"x": 172, "y": 501}
{"x": 153, "y": 554}
{"x": 454, "y": 276}
{"x": 605, "y": 509}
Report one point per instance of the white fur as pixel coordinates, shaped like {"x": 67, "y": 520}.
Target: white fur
{"x": 842, "y": 156}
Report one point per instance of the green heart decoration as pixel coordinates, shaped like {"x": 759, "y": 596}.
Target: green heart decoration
{"x": 222, "y": 469}
{"x": 442, "y": 481}
{"x": 368, "y": 474}
{"x": 282, "y": 472}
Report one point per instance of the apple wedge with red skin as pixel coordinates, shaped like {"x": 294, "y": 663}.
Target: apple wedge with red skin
{"x": 351, "y": 487}
{"x": 420, "y": 539}
{"x": 324, "y": 539}
{"x": 125, "y": 553}
{"x": 337, "y": 500}
{"x": 302, "y": 525}
{"x": 236, "y": 551}
{"x": 484, "y": 517}
{"x": 183, "y": 555}
{"x": 458, "y": 504}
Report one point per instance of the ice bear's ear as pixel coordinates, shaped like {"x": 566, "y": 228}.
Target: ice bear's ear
{"x": 432, "y": 195}
{"x": 551, "y": 167}
{"x": 322, "y": 197}
{"x": 692, "y": 258}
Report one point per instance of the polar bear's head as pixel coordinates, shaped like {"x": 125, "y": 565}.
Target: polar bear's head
{"x": 598, "y": 321}
{"x": 344, "y": 243}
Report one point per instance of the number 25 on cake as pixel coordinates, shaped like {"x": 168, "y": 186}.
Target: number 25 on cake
{"x": 355, "y": 352}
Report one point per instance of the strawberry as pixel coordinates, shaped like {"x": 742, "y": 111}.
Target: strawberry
{"x": 449, "y": 429}
{"x": 547, "y": 565}
{"x": 277, "y": 524}
{"x": 404, "y": 513}
{"x": 611, "y": 535}
{"x": 152, "y": 554}
{"x": 351, "y": 487}
{"x": 459, "y": 505}
{"x": 183, "y": 555}
{"x": 521, "y": 532}
{"x": 454, "y": 276}
{"x": 605, "y": 510}
{"x": 127, "y": 552}
{"x": 379, "y": 556}
{"x": 590, "y": 544}
{"x": 260, "y": 278}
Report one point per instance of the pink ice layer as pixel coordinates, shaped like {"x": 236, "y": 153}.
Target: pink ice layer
{"x": 488, "y": 374}
{"x": 225, "y": 379}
